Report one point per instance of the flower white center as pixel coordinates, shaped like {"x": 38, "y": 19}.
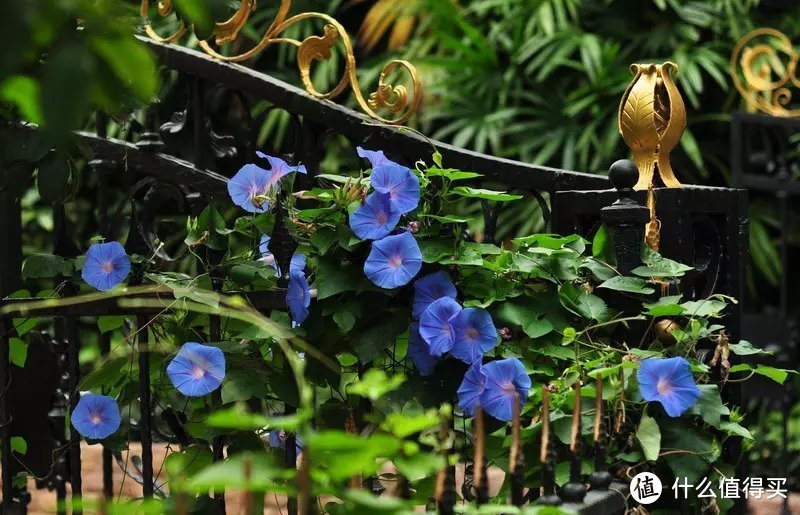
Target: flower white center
{"x": 382, "y": 218}
{"x": 198, "y": 372}
{"x": 95, "y": 419}
{"x": 664, "y": 387}
{"x": 472, "y": 333}
{"x": 396, "y": 262}
{"x": 108, "y": 267}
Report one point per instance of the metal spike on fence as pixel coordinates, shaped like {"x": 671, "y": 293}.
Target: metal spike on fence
{"x": 600, "y": 478}
{"x": 547, "y": 456}
{"x": 516, "y": 464}
{"x": 480, "y": 483}
{"x": 575, "y": 490}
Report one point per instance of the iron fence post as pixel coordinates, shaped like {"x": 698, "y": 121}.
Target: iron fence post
{"x": 625, "y": 218}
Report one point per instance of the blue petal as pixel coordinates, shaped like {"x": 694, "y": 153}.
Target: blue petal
{"x": 419, "y": 352}
{"x": 471, "y": 388}
{"x": 96, "y": 416}
{"x": 474, "y": 334}
{"x": 249, "y": 182}
{"x": 435, "y": 325}
{"x": 106, "y": 265}
{"x": 375, "y": 218}
{"x": 279, "y": 168}
{"x": 197, "y": 369}
{"x": 400, "y": 183}
{"x": 504, "y": 377}
{"x": 393, "y": 261}
{"x": 298, "y": 296}
{"x": 375, "y": 157}
{"x": 430, "y": 288}
{"x": 681, "y": 392}
{"x": 298, "y": 263}
{"x": 263, "y": 248}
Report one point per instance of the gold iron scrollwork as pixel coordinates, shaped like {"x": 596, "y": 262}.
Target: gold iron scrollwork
{"x": 395, "y": 99}
{"x": 652, "y": 118}
{"x": 764, "y": 69}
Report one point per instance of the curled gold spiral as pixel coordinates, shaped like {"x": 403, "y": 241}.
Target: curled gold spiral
{"x": 395, "y": 99}
{"x": 759, "y": 56}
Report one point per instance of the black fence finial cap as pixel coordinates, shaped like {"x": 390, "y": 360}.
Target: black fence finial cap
{"x": 623, "y": 174}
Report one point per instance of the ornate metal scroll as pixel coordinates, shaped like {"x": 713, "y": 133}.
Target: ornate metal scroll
{"x": 764, "y": 69}
{"x": 395, "y": 99}
{"x": 652, "y": 119}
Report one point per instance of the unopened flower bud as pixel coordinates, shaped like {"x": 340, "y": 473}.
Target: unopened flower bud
{"x": 505, "y": 333}
{"x": 413, "y": 227}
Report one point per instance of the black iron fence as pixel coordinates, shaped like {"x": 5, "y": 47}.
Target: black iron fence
{"x": 175, "y": 163}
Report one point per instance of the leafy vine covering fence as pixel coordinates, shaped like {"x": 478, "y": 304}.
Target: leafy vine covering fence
{"x": 319, "y": 335}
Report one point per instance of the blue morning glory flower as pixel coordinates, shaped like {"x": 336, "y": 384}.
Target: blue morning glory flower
{"x": 298, "y": 262}
{"x": 96, "y": 416}
{"x": 474, "y": 334}
{"x": 197, "y": 369}
{"x": 420, "y": 352}
{"x": 106, "y": 265}
{"x": 399, "y": 182}
{"x": 435, "y": 325}
{"x": 277, "y": 439}
{"x": 298, "y": 296}
{"x": 471, "y": 388}
{"x": 393, "y": 261}
{"x": 375, "y": 157}
{"x": 279, "y": 168}
{"x": 670, "y": 382}
{"x": 375, "y": 218}
{"x": 504, "y": 377}
{"x": 430, "y": 288}
{"x": 251, "y": 184}
{"x": 248, "y": 189}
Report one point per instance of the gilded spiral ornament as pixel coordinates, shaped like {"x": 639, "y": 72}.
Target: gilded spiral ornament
{"x": 394, "y": 99}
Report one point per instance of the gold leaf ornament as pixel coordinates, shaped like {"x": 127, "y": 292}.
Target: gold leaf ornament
{"x": 652, "y": 118}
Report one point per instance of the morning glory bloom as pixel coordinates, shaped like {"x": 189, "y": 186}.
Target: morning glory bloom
{"x": 435, "y": 325}
{"x": 504, "y": 377}
{"x": 375, "y": 157}
{"x": 375, "y": 218}
{"x": 399, "y": 182}
{"x": 249, "y": 187}
{"x": 298, "y": 296}
{"x": 419, "y": 352}
{"x": 393, "y": 261}
{"x": 474, "y": 334}
{"x": 430, "y": 288}
{"x": 197, "y": 369}
{"x": 251, "y": 184}
{"x": 670, "y": 382}
{"x": 471, "y": 388}
{"x": 279, "y": 168}
{"x": 106, "y": 265}
{"x": 277, "y": 439}
{"x": 96, "y": 416}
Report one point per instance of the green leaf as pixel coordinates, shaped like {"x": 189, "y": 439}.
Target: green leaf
{"x": 499, "y": 196}
{"x": 109, "y": 372}
{"x": 655, "y": 265}
{"x": 244, "y": 384}
{"x": 110, "y": 323}
{"x": 403, "y": 425}
{"x": 449, "y": 219}
{"x": 745, "y": 348}
{"x": 665, "y": 306}
{"x": 435, "y": 250}
{"x": 187, "y": 463}
{"x": 232, "y": 474}
{"x": 419, "y": 466}
{"x": 375, "y": 384}
{"x": 371, "y": 341}
{"x": 584, "y": 304}
{"x": 703, "y": 308}
{"x": 601, "y": 243}
{"x": 778, "y": 375}
{"x": 46, "y": 266}
{"x": 709, "y": 405}
{"x": 132, "y": 63}
{"x": 628, "y": 284}
{"x": 450, "y": 173}
{"x": 18, "y": 352}
{"x": 649, "y": 436}
{"x": 732, "y": 428}
{"x": 23, "y": 92}
{"x": 53, "y": 178}
{"x": 208, "y": 229}
{"x": 334, "y": 277}
{"x": 237, "y": 417}
{"x": 19, "y": 445}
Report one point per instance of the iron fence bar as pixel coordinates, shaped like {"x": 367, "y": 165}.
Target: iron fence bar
{"x": 145, "y": 406}
{"x": 70, "y": 332}
{"x": 5, "y": 418}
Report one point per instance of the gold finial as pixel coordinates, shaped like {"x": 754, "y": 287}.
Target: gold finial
{"x": 395, "y": 99}
{"x": 763, "y": 69}
{"x": 652, "y": 119}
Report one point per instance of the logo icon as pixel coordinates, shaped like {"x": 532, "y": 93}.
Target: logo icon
{"x": 646, "y": 488}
